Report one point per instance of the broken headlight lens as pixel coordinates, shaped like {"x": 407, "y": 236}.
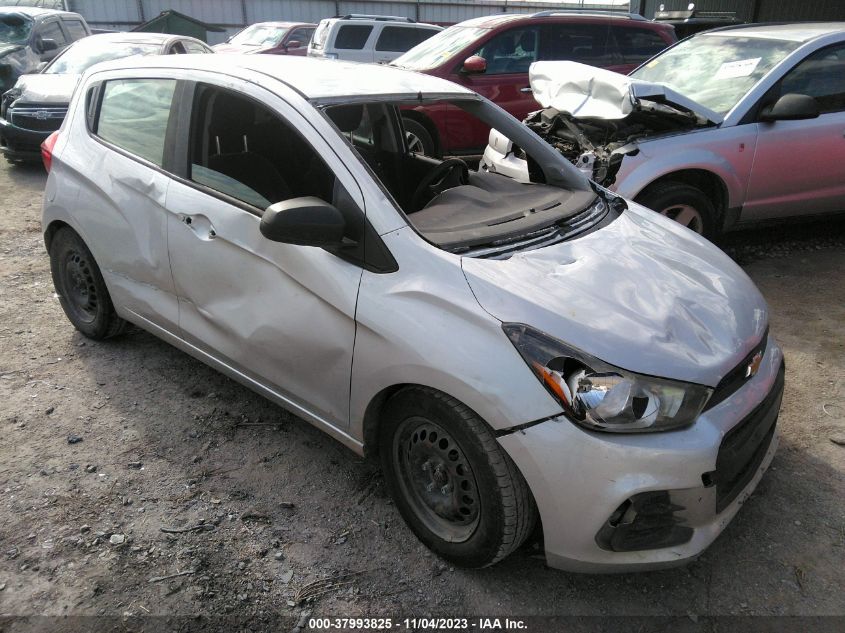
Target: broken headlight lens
{"x": 601, "y": 397}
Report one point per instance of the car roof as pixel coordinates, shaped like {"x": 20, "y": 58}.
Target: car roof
{"x": 135, "y": 38}
{"x": 314, "y": 78}
{"x": 283, "y": 24}
{"x": 801, "y": 32}
{"x": 493, "y": 21}
{"x": 34, "y": 12}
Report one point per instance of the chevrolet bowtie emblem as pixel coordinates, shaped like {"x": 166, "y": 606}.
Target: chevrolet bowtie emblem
{"x": 754, "y": 366}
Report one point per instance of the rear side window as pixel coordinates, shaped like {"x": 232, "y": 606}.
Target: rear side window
{"x": 638, "y": 45}
{"x": 134, "y": 114}
{"x": 584, "y": 43}
{"x": 352, "y": 36}
{"x": 76, "y": 29}
{"x": 397, "y": 39}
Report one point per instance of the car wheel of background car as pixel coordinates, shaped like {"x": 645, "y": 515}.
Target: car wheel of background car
{"x": 418, "y": 138}
{"x": 454, "y": 485}
{"x": 683, "y": 203}
{"x": 81, "y": 289}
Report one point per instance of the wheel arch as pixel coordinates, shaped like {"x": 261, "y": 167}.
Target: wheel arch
{"x": 52, "y": 229}
{"x": 707, "y": 181}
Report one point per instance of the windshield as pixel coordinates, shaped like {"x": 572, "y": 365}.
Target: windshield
{"x": 439, "y": 48}
{"x": 77, "y": 58}
{"x": 716, "y": 71}
{"x": 258, "y": 35}
{"x": 14, "y": 28}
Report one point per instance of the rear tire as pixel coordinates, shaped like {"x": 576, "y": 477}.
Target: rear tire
{"x": 686, "y": 204}
{"x": 456, "y": 488}
{"x": 418, "y": 138}
{"x": 81, "y": 289}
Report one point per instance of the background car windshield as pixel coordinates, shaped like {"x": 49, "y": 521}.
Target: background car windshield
{"x": 257, "y": 35}
{"x": 439, "y": 48}
{"x": 79, "y": 57}
{"x": 716, "y": 71}
{"x": 14, "y": 28}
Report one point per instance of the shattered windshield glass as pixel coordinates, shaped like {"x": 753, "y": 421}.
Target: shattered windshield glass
{"x": 14, "y": 28}
{"x": 716, "y": 70}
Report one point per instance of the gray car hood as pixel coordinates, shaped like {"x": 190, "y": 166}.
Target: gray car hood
{"x": 643, "y": 293}
{"x": 588, "y": 92}
{"x": 47, "y": 88}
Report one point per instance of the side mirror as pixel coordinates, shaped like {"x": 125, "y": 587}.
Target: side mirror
{"x": 791, "y": 107}
{"x": 474, "y": 65}
{"x": 307, "y": 221}
{"x": 48, "y": 45}
{"x": 293, "y": 44}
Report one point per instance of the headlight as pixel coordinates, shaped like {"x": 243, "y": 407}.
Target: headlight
{"x": 602, "y": 397}
{"x": 9, "y": 97}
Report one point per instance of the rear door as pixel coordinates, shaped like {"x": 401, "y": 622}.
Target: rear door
{"x": 798, "y": 164}
{"x": 394, "y": 40}
{"x": 281, "y": 315}
{"x": 119, "y": 172}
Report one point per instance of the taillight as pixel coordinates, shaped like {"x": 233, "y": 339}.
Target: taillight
{"x": 47, "y": 150}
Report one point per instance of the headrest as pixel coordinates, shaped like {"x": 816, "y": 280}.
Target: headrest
{"x": 347, "y": 117}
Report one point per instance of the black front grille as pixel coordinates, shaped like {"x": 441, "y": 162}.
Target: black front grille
{"x": 745, "y": 445}
{"x": 38, "y": 118}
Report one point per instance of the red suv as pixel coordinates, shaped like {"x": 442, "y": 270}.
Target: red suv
{"x": 273, "y": 38}
{"x": 491, "y": 56}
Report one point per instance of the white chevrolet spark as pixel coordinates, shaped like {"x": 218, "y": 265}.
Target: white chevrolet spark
{"x": 517, "y": 355}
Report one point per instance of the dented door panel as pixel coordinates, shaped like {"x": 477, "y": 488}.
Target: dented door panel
{"x": 282, "y": 314}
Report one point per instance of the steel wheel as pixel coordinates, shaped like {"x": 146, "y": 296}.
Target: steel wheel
{"x": 686, "y": 215}
{"x": 437, "y": 479}
{"x": 80, "y": 288}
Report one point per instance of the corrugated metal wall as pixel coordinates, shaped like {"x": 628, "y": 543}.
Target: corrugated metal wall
{"x": 756, "y": 10}
{"x": 235, "y": 14}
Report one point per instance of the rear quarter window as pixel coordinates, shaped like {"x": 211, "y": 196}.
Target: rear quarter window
{"x": 352, "y": 36}
{"x": 134, "y": 115}
{"x": 397, "y": 39}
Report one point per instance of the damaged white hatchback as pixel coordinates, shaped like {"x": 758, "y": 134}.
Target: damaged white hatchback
{"x": 517, "y": 356}
{"x": 731, "y": 126}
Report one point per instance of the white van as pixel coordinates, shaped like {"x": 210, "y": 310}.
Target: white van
{"x": 368, "y": 38}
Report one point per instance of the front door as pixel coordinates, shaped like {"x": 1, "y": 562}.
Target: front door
{"x": 280, "y": 314}
{"x": 798, "y": 164}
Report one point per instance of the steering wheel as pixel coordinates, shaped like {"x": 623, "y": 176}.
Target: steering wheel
{"x": 450, "y": 173}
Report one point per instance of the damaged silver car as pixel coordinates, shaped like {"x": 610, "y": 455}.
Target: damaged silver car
{"x": 514, "y": 355}
{"x": 728, "y": 127}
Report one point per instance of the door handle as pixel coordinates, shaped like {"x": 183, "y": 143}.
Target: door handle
{"x": 526, "y": 89}
{"x": 200, "y": 225}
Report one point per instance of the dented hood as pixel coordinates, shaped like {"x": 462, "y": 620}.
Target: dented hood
{"x": 640, "y": 293}
{"x": 588, "y": 92}
{"x": 47, "y": 88}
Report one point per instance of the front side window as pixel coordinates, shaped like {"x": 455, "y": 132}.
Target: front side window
{"x": 52, "y": 31}
{"x": 510, "y": 52}
{"x": 821, "y": 76}
{"x": 244, "y": 150}
{"x": 134, "y": 114}
{"x": 716, "y": 69}
{"x": 303, "y": 36}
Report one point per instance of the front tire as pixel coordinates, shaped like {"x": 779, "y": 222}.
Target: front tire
{"x": 456, "y": 488}
{"x": 81, "y": 289}
{"x": 686, "y": 204}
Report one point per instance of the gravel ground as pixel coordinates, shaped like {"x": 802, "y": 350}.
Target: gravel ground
{"x": 260, "y": 505}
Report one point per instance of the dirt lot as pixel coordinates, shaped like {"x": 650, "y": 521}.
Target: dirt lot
{"x": 275, "y": 505}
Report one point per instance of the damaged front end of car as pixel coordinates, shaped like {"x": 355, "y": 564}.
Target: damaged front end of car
{"x": 595, "y": 118}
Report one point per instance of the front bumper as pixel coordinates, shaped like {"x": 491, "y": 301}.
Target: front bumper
{"x": 20, "y": 144}
{"x": 580, "y": 478}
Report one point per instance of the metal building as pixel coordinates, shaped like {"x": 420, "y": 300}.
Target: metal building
{"x": 754, "y": 10}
